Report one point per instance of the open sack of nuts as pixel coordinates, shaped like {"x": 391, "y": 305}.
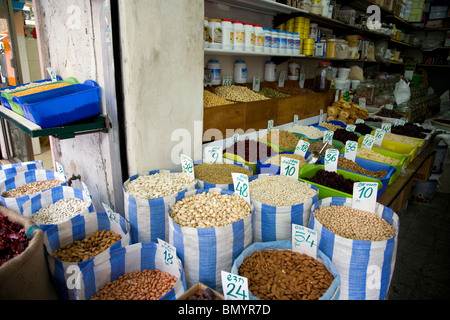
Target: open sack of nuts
{"x": 15, "y": 191}
{"x": 71, "y": 245}
{"x": 361, "y": 245}
{"x": 146, "y": 202}
{"x": 209, "y": 228}
{"x": 275, "y": 272}
{"x": 10, "y": 170}
{"x": 135, "y": 272}
{"x": 346, "y": 111}
{"x": 218, "y": 174}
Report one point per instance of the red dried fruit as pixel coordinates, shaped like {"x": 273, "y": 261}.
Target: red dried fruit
{"x": 13, "y": 240}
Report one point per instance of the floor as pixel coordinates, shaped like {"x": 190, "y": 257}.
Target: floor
{"x": 422, "y": 270}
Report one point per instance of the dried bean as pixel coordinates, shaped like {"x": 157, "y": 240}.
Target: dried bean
{"x": 401, "y": 139}
{"x": 219, "y": 173}
{"x": 276, "y": 160}
{"x": 212, "y": 100}
{"x": 238, "y": 93}
{"x": 59, "y": 211}
{"x": 350, "y": 165}
{"x": 375, "y": 156}
{"x": 308, "y": 131}
{"x": 283, "y": 138}
{"x": 31, "y": 188}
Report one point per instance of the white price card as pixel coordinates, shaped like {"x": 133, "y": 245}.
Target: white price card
{"x": 350, "y": 128}
{"x": 281, "y": 79}
{"x": 365, "y": 196}
{"x": 304, "y": 240}
{"x": 302, "y": 147}
{"x": 404, "y": 119}
{"x": 234, "y": 287}
{"x": 328, "y": 136}
{"x": 59, "y": 168}
{"x": 236, "y": 137}
{"x": 389, "y": 106}
{"x": 321, "y": 116}
{"x": 379, "y": 136}
{"x": 52, "y": 74}
{"x": 331, "y": 160}
{"x": 187, "y": 165}
{"x": 386, "y": 126}
{"x": 109, "y": 212}
{"x": 368, "y": 142}
{"x": 289, "y": 167}
{"x": 227, "y": 81}
{"x": 358, "y": 121}
{"x": 86, "y": 190}
{"x": 351, "y": 148}
{"x": 256, "y": 84}
{"x": 168, "y": 254}
{"x": 269, "y": 125}
{"x": 362, "y": 102}
{"x": 213, "y": 154}
{"x": 295, "y": 119}
{"x": 399, "y": 122}
{"x": 241, "y": 187}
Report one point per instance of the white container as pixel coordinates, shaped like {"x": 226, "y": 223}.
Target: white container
{"x": 343, "y": 73}
{"x": 283, "y": 45}
{"x": 270, "y": 71}
{"x": 355, "y": 83}
{"x": 238, "y": 36}
{"x": 348, "y": 84}
{"x": 240, "y": 72}
{"x": 294, "y": 71}
{"x": 267, "y": 40}
{"x": 216, "y": 72}
{"x": 325, "y": 4}
{"x": 215, "y": 33}
{"x": 297, "y": 43}
{"x": 259, "y": 38}
{"x": 319, "y": 49}
{"x": 227, "y": 34}
{"x": 275, "y": 41}
{"x": 289, "y": 43}
{"x": 206, "y": 32}
{"x": 249, "y": 37}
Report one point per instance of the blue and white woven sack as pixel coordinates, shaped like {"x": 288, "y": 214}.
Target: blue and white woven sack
{"x": 365, "y": 267}
{"x": 22, "y": 179}
{"x": 275, "y": 223}
{"x": 332, "y": 292}
{"x": 148, "y": 217}
{"x": 10, "y": 170}
{"x": 77, "y": 229}
{"x": 135, "y": 257}
{"x": 51, "y": 196}
{"x": 229, "y": 186}
{"x": 205, "y": 252}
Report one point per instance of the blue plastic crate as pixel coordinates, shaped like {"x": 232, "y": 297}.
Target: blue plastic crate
{"x": 62, "y": 106}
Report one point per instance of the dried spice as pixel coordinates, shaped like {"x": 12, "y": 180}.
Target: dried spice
{"x": 333, "y": 180}
{"x": 13, "y": 240}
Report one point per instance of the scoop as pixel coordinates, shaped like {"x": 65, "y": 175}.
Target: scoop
{"x": 314, "y": 156}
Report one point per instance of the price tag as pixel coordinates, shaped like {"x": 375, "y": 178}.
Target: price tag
{"x": 289, "y": 167}
{"x": 379, "y": 136}
{"x": 269, "y": 125}
{"x": 351, "y": 147}
{"x": 213, "y": 154}
{"x": 281, "y": 79}
{"x": 368, "y": 142}
{"x": 52, "y": 74}
{"x": 328, "y": 137}
{"x": 110, "y": 213}
{"x": 295, "y": 119}
{"x": 389, "y": 106}
{"x": 234, "y": 287}
{"x": 365, "y": 196}
{"x": 187, "y": 165}
{"x": 399, "y": 122}
{"x": 304, "y": 240}
{"x": 386, "y": 126}
{"x": 85, "y": 189}
{"x": 168, "y": 254}
{"x": 59, "y": 168}
{"x": 241, "y": 187}
{"x": 358, "y": 121}
{"x": 321, "y": 116}
{"x": 256, "y": 84}
{"x": 404, "y": 119}
{"x": 350, "y": 127}
{"x": 236, "y": 137}
{"x": 331, "y": 159}
{"x": 302, "y": 147}
{"x": 301, "y": 80}
{"x": 227, "y": 81}
{"x": 362, "y": 102}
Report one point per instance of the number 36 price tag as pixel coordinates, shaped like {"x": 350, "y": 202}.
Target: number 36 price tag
{"x": 234, "y": 287}
{"x": 331, "y": 160}
{"x": 365, "y": 196}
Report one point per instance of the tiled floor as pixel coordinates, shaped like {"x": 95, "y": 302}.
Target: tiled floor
{"x": 422, "y": 270}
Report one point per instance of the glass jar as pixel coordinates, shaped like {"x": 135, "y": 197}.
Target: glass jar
{"x": 405, "y": 110}
{"x": 342, "y": 49}
{"x": 331, "y": 48}
{"x": 384, "y": 99}
{"x": 322, "y": 80}
{"x": 365, "y": 90}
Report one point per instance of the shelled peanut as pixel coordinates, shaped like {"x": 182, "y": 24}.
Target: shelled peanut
{"x": 212, "y": 100}
{"x": 31, "y": 188}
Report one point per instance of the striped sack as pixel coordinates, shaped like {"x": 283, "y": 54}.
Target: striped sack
{"x": 10, "y": 170}
{"x": 148, "y": 217}
{"x": 77, "y": 229}
{"x": 365, "y": 267}
{"x": 205, "y": 252}
{"x": 23, "y": 178}
{"x": 332, "y": 292}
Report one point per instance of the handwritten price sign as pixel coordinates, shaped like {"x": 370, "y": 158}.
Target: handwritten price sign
{"x": 213, "y": 154}
{"x": 187, "y": 165}
{"x": 241, "y": 188}
{"x": 234, "y": 287}
{"x": 302, "y": 148}
{"x": 304, "y": 240}
{"x": 365, "y": 196}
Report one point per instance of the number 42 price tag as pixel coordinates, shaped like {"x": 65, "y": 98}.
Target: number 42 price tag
{"x": 234, "y": 287}
{"x": 365, "y": 196}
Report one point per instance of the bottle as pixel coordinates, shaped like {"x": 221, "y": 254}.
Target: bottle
{"x": 297, "y": 43}
{"x": 238, "y": 36}
{"x": 283, "y": 41}
{"x": 240, "y": 71}
{"x": 275, "y": 41}
{"x": 227, "y": 34}
{"x": 322, "y": 80}
{"x": 259, "y": 38}
{"x": 215, "y": 33}
{"x": 289, "y": 43}
{"x": 267, "y": 40}
{"x": 215, "y": 71}
{"x": 331, "y": 48}
{"x": 249, "y": 37}
{"x": 270, "y": 71}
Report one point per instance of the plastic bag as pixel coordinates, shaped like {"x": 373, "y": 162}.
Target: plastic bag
{"x": 402, "y": 92}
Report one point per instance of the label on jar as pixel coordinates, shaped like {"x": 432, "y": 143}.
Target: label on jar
{"x": 234, "y": 287}
{"x": 331, "y": 159}
{"x": 304, "y": 240}
{"x": 213, "y": 154}
{"x": 241, "y": 186}
{"x": 368, "y": 142}
{"x": 351, "y": 147}
{"x": 239, "y": 37}
{"x": 302, "y": 147}
{"x": 379, "y": 136}
{"x": 365, "y": 196}
{"x": 289, "y": 167}
{"x": 362, "y": 102}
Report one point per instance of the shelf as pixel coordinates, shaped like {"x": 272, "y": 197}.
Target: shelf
{"x": 434, "y": 65}
{"x": 261, "y": 6}
{"x": 402, "y": 43}
{"x": 95, "y": 124}
{"x": 249, "y": 53}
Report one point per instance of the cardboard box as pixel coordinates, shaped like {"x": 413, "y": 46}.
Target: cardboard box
{"x": 425, "y": 170}
{"x": 195, "y": 287}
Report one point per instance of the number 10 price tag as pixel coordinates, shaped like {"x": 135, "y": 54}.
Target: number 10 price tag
{"x": 365, "y": 196}
{"x": 304, "y": 240}
{"x": 241, "y": 188}
{"x": 289, "y": 167}
{"x": 331, "y": 159}
{"x": 234, "y": 287}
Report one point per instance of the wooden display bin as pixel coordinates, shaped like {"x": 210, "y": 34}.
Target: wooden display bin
{"x": 425, "y": 170}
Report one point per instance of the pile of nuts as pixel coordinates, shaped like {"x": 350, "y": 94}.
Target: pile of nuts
{"x": 137, "y": 285}
{"x": 330, "y": 126}
{"x": 308, "y": 131}
{"x": 283, "y": 138}
{"x": 350, "y": 165}
{"x": 61, "y": 210}
{"x": 212, "y": 100}
{"x": 210, "y": 210}
{"x": 276, "y": 160}
{"x": 280, "y": 191}
{"x": 285, "y": 275}
{"x": 238, "y": 93}
{"x": 158, "y": 185}
{"x": 31, "y": 188}
{"x": 401, "y": 139}
{"x": 375, "y": 156}
{"x": 219, "y": 173}
{"x": 89, "y": 247}
{"x": 272, "y": 93}
{"x": 354, "y": 223}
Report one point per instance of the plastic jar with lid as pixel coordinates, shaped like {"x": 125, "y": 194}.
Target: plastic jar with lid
{"x": 297, "y": 43}
{"x": 270, "y": 71}
{"x": 227, "y": 34}
{"x": 240, "y": 72}
{"x": 331, "y": 48}
{"x": 249, "y": 37}
{"x": 275, "y": 41}
{"x": 216, "y": 71}
{"x": 259, "y": 38}
{"x": 267, "y": 40}
{"x": 365, "y": 90}
{"x": 215, "y": 33}
{"x": 238, "y": 36}
{"x": 342, "y": 49}
{"x": 322, "y": 79}
{"x": 289, "y": 43}
{"x": 283, "y": 40}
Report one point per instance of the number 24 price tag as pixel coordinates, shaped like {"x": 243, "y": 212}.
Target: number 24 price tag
{"x": 213, "y": 154}
{"x": 234, "y": 287}
{"x": 365, "y": 196}
{"x": 304, "y": 240}
{"x": 241, "y": 188}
